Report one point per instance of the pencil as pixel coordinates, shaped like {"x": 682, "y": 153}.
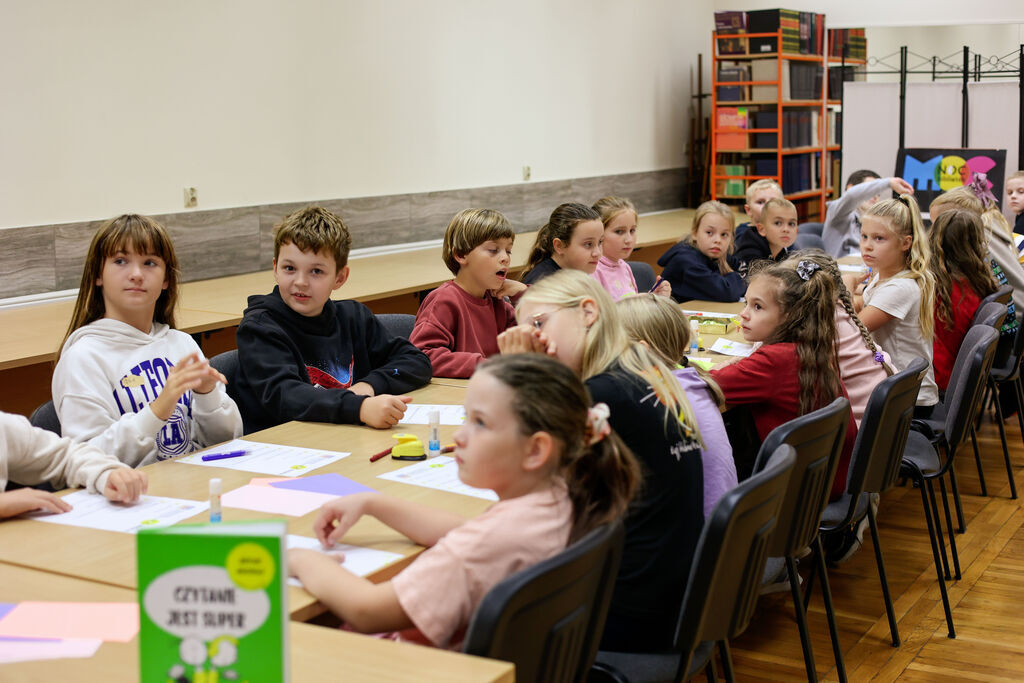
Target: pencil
{"x": 377, "y": 456}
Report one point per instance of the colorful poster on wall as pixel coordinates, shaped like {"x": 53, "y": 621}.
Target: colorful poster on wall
{"x": 934, "y": 171}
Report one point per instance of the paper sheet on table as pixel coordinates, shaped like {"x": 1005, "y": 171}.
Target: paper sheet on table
{"x": 702, "y": 362}
{"x": 729, "y": 347}
{"x": 852, "y": 268}
{"x": 358, "y": 560}
{"x": 274, "y": 500}
{"x": 96, "y": 512}
{"x": 20, "y": 650}
{"x": 266, "y": 458}
{"x": 117, "y": 621}
{"x": 441, "y": 473}
{"x": 419, "y": 414}
{"x": 332, "y": 484}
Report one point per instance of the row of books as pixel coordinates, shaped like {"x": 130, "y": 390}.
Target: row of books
{"x": 800, "y": 81}
{"x": 800, "y": 128}
{"x": 837, "y": 75}
{"x": 800, "y": 172}
{"x": 854, "y": 38}
{"x": 802, "y": 32}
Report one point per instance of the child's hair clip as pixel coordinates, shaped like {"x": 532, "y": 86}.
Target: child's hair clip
{"x": 805, "y": 269}
{"x": 879, "y": 358}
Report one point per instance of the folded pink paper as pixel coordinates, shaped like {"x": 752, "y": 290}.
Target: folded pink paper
{"x": 117, "y": 621}
{"x": 266, "y": 481}
{"x": 274, "y": 500}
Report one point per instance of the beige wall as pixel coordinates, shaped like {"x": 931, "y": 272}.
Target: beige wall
{"x": 115, "y": 105}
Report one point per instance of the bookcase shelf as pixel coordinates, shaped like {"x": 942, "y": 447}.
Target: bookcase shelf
{"x": 770, "y": 112}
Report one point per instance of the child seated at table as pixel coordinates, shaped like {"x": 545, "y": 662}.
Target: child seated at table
{"x": 126, "y": 381}
{"x": 557, "y": 468}
{"x": 698, "y": 266}
{"x": 458, "y": 324}
{"x": 619, "y": 217}
{"x": 775, "y": 233}
{"x": 758, "y": 194}
{"x": 32, "y": 456}
{"x": 571, "y": 239}
{"x": 302, "y": 356}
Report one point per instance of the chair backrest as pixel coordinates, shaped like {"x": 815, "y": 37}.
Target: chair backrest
{"x": 643, "y": 274}
{"x": 1003, "y": 295}
{"x": 397, "y": 324}
{"x": 992, "y": 314}
{"x": 967, "y": 383}
{"x": 45, "y": 417}
{"x": 818, "y": 439}
{"x": 548, "y": 619}
{"x": 725, "y": 579}
{"x": 883, "y": 431}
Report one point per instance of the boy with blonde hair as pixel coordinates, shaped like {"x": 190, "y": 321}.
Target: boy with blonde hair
{"x": 302, "y": 356}
{"x": 758, "y": 194}
{"x": 458, "y": 323}
{"x": 776, "y": 231}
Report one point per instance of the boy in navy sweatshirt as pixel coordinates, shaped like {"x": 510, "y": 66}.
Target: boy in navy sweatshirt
{"x": 775, "y": 234}
{"x": 303, "y": 356}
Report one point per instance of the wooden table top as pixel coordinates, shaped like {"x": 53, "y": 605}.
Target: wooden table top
{"x": 109, "y": 557}
{"x": 31, "y": 334}
{"x": 316, "y": 653}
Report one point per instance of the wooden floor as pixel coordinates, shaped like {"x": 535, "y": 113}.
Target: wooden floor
{"x": 988, "y": 602}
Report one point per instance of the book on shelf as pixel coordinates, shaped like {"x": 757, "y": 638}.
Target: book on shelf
{"x": 768, "y": 167}
{"x": 733, "y": 93}
{"x": 766, "y": 119}
{"x": 764, "y": 70}
{"x": 731, "y": 117}
{"x": 730, "y": 23}
{"x": 731, "y": 187}
{"x": 853, "y": 38}
{"x": 213, "y": 602}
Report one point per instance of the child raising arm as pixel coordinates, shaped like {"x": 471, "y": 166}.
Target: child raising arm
{"x": 558, "y": 473}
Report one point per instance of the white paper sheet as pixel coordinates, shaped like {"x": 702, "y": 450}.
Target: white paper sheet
{"x": 441, "y": 473}
{"x": 729, "y": 347}
{"x": 419, "y": 414}
{"x": 266, "y": 458}
{"x": 852, "y": 268}
{"x": 96, "y": 512}
{"x": 358, "y": 560}
{"x": 710, "y": 314}
{"x": 19, "y": 650}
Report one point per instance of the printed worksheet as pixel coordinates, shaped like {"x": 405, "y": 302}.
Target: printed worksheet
{"x": 710, "y": 314}
{"x": 729, "y": 347}
{"x": 358, "y": 560}
{"x": 852, "y": 268}
{"x": 267, "y": 458}
{"x": 96, "y": 512}
{"x": 419, "y": 414}
{"x": 441, "y": 473}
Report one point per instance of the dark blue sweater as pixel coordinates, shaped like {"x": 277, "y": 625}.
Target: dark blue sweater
{"x": 694, "y": 276}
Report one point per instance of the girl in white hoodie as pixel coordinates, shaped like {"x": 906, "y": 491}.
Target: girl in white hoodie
{"x": 126, "y": 381}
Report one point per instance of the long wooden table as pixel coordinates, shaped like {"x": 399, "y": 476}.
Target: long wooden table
{"x": 316, "y": 653}
{"x": 109, "y": 557}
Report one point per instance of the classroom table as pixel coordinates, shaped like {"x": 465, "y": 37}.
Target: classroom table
{"x": 109, "y": 557}
{"x": 316, "y": 653}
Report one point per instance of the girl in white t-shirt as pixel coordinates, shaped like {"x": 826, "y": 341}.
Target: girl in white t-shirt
{"x": 898, "y": 304}
{"x": 558, "y": 472}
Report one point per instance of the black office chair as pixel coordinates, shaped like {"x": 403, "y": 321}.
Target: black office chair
{"x": 45, "y": 417}
{"x": 643, "y": 274}
{"x": 818, "y": 438}
{"x": 723, "y": 586}
{"x": 227, "y": 364}
{"x": 921, "y": 460}
{"x": 397, "y": 324}
{"x": 548, "y": 619}
{"x": 875, "y": 466}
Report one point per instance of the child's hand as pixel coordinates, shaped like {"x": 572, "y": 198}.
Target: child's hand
{"x": 300, "y": 558}
{"x": 664, "y": 289}
{"x": 125, "y": 485}
{"x": 383, "y": 411}
{"x": 26, "y": 500}
{"x": 189, "y": 374}
{"x": 525, "y": 339}
{"x": 337, "y": 517}
{"x": 509, "y": 288}
{"x": 362, "y": 388}
{"x": 901, "y": 186}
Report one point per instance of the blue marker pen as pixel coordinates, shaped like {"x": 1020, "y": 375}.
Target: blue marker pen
{"x": 222, "y": 456}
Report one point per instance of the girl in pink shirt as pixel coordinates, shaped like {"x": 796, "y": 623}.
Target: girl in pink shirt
{"x": 558, "y": 472}
{"x": 619, "y": 217}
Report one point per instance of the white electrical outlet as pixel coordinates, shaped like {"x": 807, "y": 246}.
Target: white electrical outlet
{"x": 526, "y": 172}
{"x": 191, "y": 198}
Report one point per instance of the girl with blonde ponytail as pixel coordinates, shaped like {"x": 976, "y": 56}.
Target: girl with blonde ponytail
{"x": 571, "y": 317}
{"x": 898, "y": 304}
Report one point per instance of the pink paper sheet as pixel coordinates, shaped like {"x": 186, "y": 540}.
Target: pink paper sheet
{"x": 266, "y": 481}
{"x": 35, "y": 650}
{"x": 118, "y": 621}
{"x": 274, "y": 500}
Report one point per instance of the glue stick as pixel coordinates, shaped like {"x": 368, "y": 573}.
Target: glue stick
{"x": 215, "y": 499}
{"x": 694, "y": 340}
{"x": 434, "y": 442}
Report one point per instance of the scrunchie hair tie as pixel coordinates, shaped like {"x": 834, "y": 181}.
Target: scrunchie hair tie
{"x": 980, "y": 187}
{"x": 903, "y": 200}
{"x": 879, "y": 358}
{"x": 597, "y": 423}
{"x": 805, "y": 269}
